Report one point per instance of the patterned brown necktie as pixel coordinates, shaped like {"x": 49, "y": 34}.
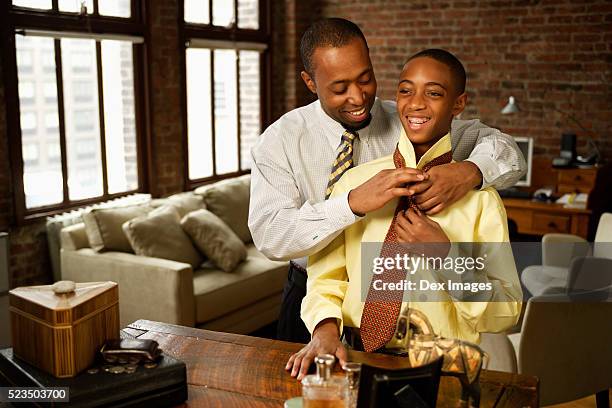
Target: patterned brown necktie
{"x": 382, "y": 307}
{"x": 343, "y": 162}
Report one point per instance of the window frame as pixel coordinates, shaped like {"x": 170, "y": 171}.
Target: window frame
{"x": 15, "y": 18}
{"x": 208, "y": 32}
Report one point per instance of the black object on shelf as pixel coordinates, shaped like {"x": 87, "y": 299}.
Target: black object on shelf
{"x": 513, "y": 192}
{"x": 162, "y": 386}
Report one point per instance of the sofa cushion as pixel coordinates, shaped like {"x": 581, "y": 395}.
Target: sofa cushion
{"x": 159, "y": 235}
{"x": 185, "y": 202}
{"x": 218, "y": 293}
{"x": 104, "y": 226}
{"x": 229, "y": 200}
{"x": 214, "y": 239}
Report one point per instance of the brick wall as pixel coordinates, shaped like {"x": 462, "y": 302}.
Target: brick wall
{"x": 290, "y": 18}
{"x": 166, "y": 172}
{"x": 551, "y": 55}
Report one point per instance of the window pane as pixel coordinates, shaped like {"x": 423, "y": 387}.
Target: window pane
{"x": 196, "y": 11}
{"x": 248, "y": 14}
{"x": 199, "y": 129}
{"x": 26, "y": 92}
{"x": 74, "y": 6}
{"x": 82, "y": 123}
{"x": 25, "y": 59}
{"x": 31, "y": 153}
{"x": 250, "y": 126}
{"x": 50, "y": 92}
{"x": 82, "y": 91}
{"x": 119, "y": 116}
{"x": 38, "y": 4}
{"x": 226, "y": 127}
{"x": 115, "y": 8}
{"x": 51, "y": 121}
{"x": 223, "y": 13}
{"x": 42, "y": 178}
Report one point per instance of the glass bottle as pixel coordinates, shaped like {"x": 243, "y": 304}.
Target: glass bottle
{"x": 324, "y": 390}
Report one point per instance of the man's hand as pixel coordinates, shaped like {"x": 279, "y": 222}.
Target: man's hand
{"x": 325, "y": 340}
{"x": 382, "y": 188}
{"x": 424, "y": 235}
{"x": 447, "y": 184}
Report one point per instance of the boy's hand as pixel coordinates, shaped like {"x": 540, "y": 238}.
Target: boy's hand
{"x": 382, "y": 188}
{"x": 325, "y": 340}
{"x": 423, "y": 234}
{"x": 447, "y": 184}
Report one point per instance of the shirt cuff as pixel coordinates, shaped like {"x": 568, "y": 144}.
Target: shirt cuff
{"x": 339, "y": 212}
{"x": 488, "y": 167}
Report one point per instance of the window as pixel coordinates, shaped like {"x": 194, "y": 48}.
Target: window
{"x": 111, "y": 8}
{"x": 74, "y": 6}
{"x": 51, "y": 121}
{"x": 78, "y": 104}
{"x": 30, "y": 153}
{"x": 26, "y": 92}
{"x": 224, "y": 92}
{"x": 50, "y": 91}
{"x": 34, "y": 4}
{"x": 29, "y": 122}
{"x": 82, "y": 91}
{"x": 53, "y": 152}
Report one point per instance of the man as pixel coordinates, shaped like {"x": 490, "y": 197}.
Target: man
{"x": 289, "y": 215}
{"x": 432, "y": 87}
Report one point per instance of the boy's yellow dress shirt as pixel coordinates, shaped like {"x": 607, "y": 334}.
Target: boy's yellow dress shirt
{"x": 334, "y": 273}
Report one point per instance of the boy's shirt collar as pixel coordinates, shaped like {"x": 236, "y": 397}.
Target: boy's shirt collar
{"x": 407, "y": 150}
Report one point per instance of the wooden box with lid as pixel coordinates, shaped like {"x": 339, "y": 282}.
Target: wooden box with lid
{"x": 60, "y": 333}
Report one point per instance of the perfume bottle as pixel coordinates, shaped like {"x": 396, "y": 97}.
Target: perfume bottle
{"x": 324, "y": 390}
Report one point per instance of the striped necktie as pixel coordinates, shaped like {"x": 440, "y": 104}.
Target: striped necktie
{"x": 343, "y": 162}
{"x": 382, "y": 307}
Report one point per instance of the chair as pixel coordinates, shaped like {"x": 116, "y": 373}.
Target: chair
{"x": 558, "y": 251}
{"x": 566, "y": 344}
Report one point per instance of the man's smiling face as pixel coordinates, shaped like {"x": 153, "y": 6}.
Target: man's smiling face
{"x": 427, "y": 100}
{"x": 344, "y": 81}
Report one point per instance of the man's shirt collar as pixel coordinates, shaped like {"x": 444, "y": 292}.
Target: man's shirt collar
{"x": 333, "y": 130}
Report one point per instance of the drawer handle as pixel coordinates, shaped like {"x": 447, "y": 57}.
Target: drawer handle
{"x": 552, "y": 225}
{"x": 578, "y": 178}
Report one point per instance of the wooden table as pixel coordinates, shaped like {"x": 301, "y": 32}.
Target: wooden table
{"x": 230, "y": 370}
{"x": 539, "y": 218}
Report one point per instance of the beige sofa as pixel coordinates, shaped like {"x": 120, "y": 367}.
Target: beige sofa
{"x": 238, "y": 301}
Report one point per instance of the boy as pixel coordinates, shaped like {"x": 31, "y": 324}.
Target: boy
{"x": 430, "y": 93}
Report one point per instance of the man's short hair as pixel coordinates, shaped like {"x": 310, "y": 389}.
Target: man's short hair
{"x": 448, "y": 59}
{"x": 328, "y": 32}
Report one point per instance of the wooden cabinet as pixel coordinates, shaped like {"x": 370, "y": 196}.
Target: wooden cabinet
{"x": 576, "y": 180}
{"x": 537, "y": 218}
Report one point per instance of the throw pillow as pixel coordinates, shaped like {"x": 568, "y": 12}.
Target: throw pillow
{"x": 103, "y": 227}
{"x": 159, "y": 235}
{"x": 214, "y": 239}
{"x": 229, "y": 200}
{"x": 185, "y": 202}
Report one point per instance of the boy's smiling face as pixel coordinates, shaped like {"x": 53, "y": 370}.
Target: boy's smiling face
{"x": 427, "y": 100}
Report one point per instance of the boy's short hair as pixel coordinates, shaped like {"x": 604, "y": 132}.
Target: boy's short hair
{"x": 448, "y": 59}
{"x": 328, "y": 32}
